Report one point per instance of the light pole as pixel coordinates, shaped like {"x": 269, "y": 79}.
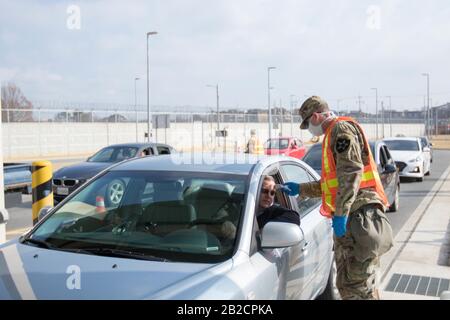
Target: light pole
{"x": 217, "y": 103}
{"x": 390, "y": 116}
{"x": 428, "y": 104}
{"x": 292, "y": 113}
{"x": 268, "y": 102}
{"x": 135, "y": 106}
{"x": 151, "y": 33}
{"x": 376, "y": 108}
{"x": 217, "y": 106}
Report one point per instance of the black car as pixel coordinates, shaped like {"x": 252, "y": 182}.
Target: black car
{"x": 68, "y": 179}
{"x": 386, "y": 167}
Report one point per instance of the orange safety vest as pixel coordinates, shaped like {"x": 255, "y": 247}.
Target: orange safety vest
{"x": 329, "y": 182}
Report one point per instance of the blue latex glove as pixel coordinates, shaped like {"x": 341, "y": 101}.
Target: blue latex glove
{"x": 291, "y": 188}
{"x": 340, "y": 225}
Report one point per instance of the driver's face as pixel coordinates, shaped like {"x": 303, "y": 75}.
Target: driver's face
{"x": 267, "y": 194}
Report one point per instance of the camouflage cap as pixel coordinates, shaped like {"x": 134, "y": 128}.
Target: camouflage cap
{"x": 311, "y": 105}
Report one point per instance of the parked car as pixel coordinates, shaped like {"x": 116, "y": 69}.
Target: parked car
{"x": 164, "y": 239}
{"x": 389, "y": 174}
{"x": 427, "y": 147}
{"x": 288, "y": 146}
{"x": 68, "y": 179}
{"x": 17, "y": 177}
{"x": 410, "y": 157}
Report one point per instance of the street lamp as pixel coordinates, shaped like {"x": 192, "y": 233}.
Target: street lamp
{"x": 376, "y": 108}
{"x": 268, "y": 104}
{"x": 148, "y": 89}
{"x": 292, "y": 113}
{"x": 428, "y": 104}
{"x": 217, "y": 102}
{"x": 135, "y": 106}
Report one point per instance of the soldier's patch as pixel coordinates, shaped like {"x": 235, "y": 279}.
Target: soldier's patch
{"x": 342, "y": 144}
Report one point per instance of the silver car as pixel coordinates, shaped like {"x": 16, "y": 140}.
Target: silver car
{"x": 184, "y": 229}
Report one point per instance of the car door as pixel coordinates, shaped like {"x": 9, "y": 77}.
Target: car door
{"x": 393, "y": 177}
{"x": 426, "y": 151}
{"x": 311, "y": 270}
{"x": 268, "y": 268}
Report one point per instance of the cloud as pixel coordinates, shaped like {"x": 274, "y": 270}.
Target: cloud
{"x": 318, "y": 47}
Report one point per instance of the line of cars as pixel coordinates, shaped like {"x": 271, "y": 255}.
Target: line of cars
{"x": 163, "y": 237}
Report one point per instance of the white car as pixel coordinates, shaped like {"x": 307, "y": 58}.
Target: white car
{"x": 412, "y": 160}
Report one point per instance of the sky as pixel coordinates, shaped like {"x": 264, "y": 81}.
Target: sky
{"x": 91, "y": 51}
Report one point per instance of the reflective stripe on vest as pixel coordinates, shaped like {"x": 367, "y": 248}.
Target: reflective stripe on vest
{"x": 329, "y": 182}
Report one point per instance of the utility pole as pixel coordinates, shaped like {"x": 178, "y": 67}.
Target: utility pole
{"x": 382, "y": 118}
{"x": 376, "y": 109}
{"x": 390, "y": 116}
{"x": 135, "y": 108}
{"x": 427, "y": 129}
{"x": 268, "y": 102}
{"x": 148, "y": 89}
{"x": 292, "y": 114}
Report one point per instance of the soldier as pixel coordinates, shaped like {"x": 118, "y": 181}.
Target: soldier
{"x": 352, "y": 196}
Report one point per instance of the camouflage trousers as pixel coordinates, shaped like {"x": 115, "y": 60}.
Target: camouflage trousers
{"x": 356, "y": 279}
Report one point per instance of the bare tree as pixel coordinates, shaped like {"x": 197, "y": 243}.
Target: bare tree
{"x": 13, "y": 98}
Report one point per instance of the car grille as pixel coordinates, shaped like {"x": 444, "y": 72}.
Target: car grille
{"x": 400, "y": 165}
{"x": 66, "y": 182}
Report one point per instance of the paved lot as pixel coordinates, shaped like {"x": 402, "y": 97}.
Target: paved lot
{"x": 411, "y": 195}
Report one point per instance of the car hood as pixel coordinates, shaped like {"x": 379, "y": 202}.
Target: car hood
{"x": 404, "y": 156}
{"x": 82, "y": 170}
{"x": 28, "y": 272}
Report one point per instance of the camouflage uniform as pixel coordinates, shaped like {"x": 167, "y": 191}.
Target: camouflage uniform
{"x": 356, "y": 273}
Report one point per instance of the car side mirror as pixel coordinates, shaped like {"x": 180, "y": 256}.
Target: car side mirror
{"x": 426, "y": 149}
{"x": 280, "y": 235}
{"x": 43, "y": 212}
{"x": 431, "y": 144}
{"x": 390, "y": 168}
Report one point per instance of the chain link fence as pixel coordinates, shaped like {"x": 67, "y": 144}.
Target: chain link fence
{"x": 46, "y": 132}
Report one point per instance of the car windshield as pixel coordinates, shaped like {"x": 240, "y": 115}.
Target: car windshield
{"x": 277, "y": 144}
{"x": 178, "y": 216}
{"x": 402, "y": 145}
{"x": 314, "y": 157}
{"x": 114, "y": 154}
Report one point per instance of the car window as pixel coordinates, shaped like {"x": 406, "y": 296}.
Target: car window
{"x": 114, "y": 154}
{"x": 298, "y": 174}
{"x": 403, "y": 145}
{"x": 389, "y": 159}
{"x": 182, "y": 216}
{"x": 163, "y": 150}
{"x": 277, "y": 144}
{"x": 314, "y": 157}
{"x": 383, "y": 158}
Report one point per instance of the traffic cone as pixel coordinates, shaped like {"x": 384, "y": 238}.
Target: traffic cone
{"x": 100, "y": 204}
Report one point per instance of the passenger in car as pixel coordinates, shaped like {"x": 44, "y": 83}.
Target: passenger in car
{"x": 269, "y": 211}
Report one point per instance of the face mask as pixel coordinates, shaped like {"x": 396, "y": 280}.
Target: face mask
{"x": 316, "y": 130}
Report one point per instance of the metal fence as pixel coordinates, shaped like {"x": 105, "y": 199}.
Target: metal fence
{"x": 70, "y": 132}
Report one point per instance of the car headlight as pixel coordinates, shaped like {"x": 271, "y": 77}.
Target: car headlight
{"x": 418, "y": 159}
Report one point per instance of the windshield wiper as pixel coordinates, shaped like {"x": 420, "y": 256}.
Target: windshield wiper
{"x": 109, "y": 252}
{"x": 39, "y": 243}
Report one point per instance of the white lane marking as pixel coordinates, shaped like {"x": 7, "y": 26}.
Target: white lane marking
{"x": 17, "y": 272}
